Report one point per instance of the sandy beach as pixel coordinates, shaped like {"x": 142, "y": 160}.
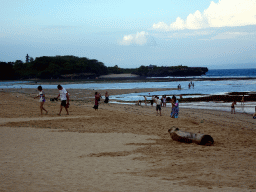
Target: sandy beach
{"x": 120, "y": 147}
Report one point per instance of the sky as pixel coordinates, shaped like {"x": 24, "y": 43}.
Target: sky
{"x": 128, "y": 33}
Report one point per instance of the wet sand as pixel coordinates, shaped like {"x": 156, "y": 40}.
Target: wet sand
{"x": 120, "y": 147}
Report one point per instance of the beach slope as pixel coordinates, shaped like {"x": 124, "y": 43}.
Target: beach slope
{"x": 121, "y": 148}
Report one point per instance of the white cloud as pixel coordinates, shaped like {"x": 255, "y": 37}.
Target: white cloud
{"x": 161, "y": 25}
{"x": 140, "y": 38}
{"x": 179, "y": 24}
{"x": 225, "y": 13}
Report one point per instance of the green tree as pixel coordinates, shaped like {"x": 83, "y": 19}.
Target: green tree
{"x": 6, "y": 71}
{"x": 27, "y": 59}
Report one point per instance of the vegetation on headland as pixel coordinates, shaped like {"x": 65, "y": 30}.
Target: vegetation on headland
{"x": 155, "y": 71}
{"x": 72, "y": 67}
{"x": 51, "y": 67}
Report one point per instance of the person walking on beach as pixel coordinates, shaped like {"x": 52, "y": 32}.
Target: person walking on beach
{"x": 175, "y": 107}
{"x": 233, "y": 107}
{"x": 158, "y": 105}
{"x": 64, "y": 97}
{"x": 97, "y": 98}
{"x": 42, "y": 99}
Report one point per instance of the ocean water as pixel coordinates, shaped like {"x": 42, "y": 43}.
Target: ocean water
{"x": 224, "y": 73}
{"x": 201, "y": 87}
{"x": 205, "y": 87}
{"x": 231, "y": 73}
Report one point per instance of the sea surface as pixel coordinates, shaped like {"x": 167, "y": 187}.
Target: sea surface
{"x": 231, "y": 73}
{"x": 201, "y": 88}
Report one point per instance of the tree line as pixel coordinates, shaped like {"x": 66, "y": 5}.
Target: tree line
{"x": 47, "y": 67}
{"x": 51, "y": 67}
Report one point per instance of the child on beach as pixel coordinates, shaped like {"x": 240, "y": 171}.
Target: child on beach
{"x": 254, "y": 115}
{"x": 233, "y": 107}
{"x": 42, "y": 99}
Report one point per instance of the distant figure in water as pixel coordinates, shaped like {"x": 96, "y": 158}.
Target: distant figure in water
{"x": 254, "y": 115}
{"x": 233, "y": 107}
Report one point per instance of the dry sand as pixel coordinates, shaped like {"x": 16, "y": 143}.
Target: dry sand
{"x": 120, "y": 147}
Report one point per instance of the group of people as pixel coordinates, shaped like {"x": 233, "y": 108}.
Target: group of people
{"x": 233, "y": 111}
{"x": 162, "y": 103}
{"x": 97, "y": 99}
{"x": 152, "y": 101}
{"x": 191, "y": 84}
{"x": 64, "y": 97}
{"x": 175, "y": 106}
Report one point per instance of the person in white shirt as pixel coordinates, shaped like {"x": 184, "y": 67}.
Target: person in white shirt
{"x": 64, "y": 97}
{"x": 158, "y": 105}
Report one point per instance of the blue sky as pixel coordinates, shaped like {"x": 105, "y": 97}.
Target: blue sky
{"x": 214, "y": 34}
